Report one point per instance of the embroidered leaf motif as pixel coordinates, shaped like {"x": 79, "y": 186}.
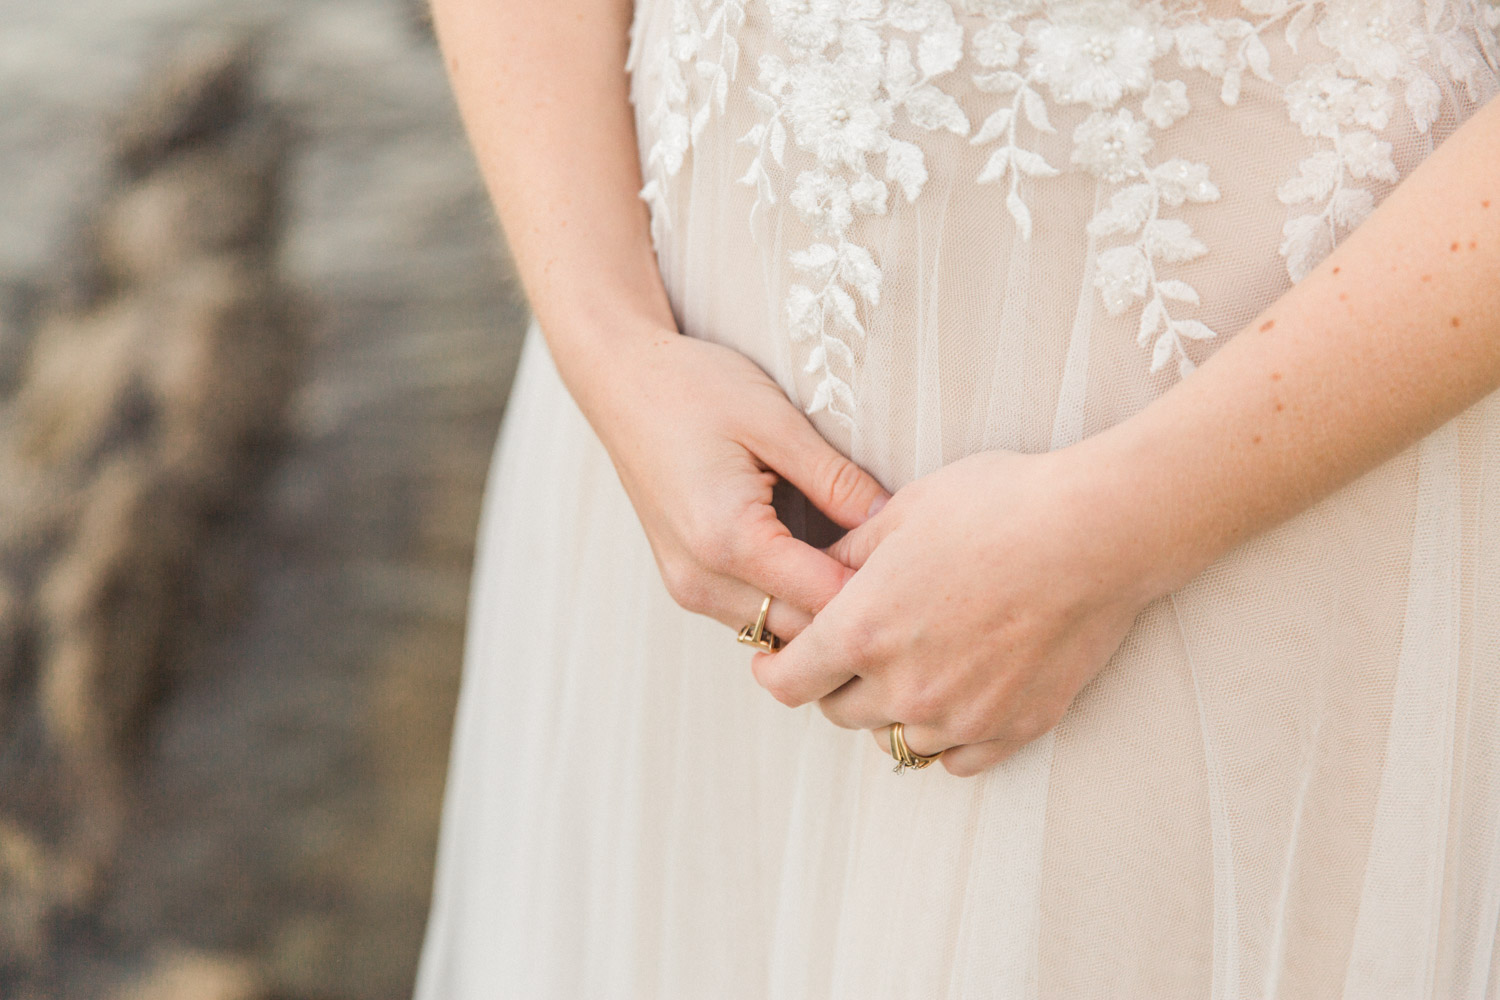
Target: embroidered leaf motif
{"x": 900, "y": 74}
{"x": 1366, "y": 156}
{"x": 1020, "y": 213}
{"x": 1193, "y": 329}
{"x": 1423, "y": 99}
{"x": 1153, "y": 317}
{"x": 1315, "y": 179}
{"x": 1162, "y": 352}
{"x": 1127, "y": 212}
{"x": 1305, "y": 241}
{"x": 995, "y": 168}
{"x": 857, "y": 268}
{"x": 1351, "y": 206}
{"x": 1171, "y": 240}
{"x": 1003, "y": 82}
{"x": 930, "y": 108}
{"x": 1178, "y": 291}
{"x": 1032, "y": 164}
{"x": 816, "y": 261}
{"x": 1036, "y": 111}
{"x": 905, "y": 165}
{"x": 1259, "y": 58}
{"x": 994, "y": 126}
{"x": 842, "y": 306}
{"x": 1121, "y": 278}
{"x": 1298, "y": 24}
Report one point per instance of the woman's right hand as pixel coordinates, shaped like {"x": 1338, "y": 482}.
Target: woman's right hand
{"x": 699, "y": 434}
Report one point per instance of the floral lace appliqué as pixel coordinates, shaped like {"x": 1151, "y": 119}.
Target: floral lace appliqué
{"x": 855, "y": 70}
{"x": 859, "y": 80}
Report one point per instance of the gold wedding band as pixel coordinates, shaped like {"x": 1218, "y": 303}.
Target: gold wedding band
{"x": 756, "y": 635}
{"x": 905, "y": 756}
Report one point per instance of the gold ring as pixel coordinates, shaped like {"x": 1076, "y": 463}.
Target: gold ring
{"x": 756, "y": 635}
{"x": 905, "y": 756}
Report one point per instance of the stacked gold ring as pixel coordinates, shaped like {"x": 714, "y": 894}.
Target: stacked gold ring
{"x": 756, "y": 634}
{"x": 905, "y": 756}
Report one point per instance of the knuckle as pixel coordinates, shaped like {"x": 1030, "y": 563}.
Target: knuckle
{"x": 706, "y": 540}
{"x": 970, "y": 728}
{"x": 861, "y": 641}
{"x": 922, "y": 701}
{"x": 687, "y": 586}
{"x": 785, "y": 694}
{"x": 771, "y": 680}
{"x": 741, "y": 555}
{"x": 838, "y": 713}
{"x": 841, "y": 480}
{"x": 962, "y": 766}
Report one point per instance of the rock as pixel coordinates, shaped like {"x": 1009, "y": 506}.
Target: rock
{"x": 245, "y": 420}
{"x": 139, "y": 422}
{"x": 189, "y": 975}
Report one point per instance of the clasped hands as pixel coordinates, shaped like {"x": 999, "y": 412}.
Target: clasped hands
{"x": 971, "y": 606}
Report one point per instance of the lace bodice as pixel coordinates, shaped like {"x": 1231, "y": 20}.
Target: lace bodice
{"x": 849, "y": 102}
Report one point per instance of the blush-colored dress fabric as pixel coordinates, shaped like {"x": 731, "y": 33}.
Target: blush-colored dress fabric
{"x": 946, "y": 227}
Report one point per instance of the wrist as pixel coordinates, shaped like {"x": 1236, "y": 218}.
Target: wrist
{"x": 606, "y": 364}
{"x": 1125, "y": 482}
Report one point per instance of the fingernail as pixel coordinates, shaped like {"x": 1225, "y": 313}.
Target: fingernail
{"x": 875, "y": 506}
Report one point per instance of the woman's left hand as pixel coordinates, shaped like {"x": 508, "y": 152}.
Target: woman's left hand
{"x": 987, "y": 594}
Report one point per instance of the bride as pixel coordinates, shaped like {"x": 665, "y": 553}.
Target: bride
{"x": 1094, "y": 398}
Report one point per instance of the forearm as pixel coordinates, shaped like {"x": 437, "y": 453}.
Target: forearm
{"x": 1397, "y": 332}
{"x": 544, "y": 95}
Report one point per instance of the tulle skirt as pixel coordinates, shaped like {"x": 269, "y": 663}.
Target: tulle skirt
{"x": 1237, "y": 806}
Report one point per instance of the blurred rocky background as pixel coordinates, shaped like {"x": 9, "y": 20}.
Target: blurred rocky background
{"x": 255, "y": 335}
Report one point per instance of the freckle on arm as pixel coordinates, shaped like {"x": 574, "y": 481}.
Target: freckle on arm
{"x": 1267, "y": 325}
{"x": 1343, "y": 296}
{"x": 1454, "y": 248}
{"x": 1426, "y": 277}
{"x": 1455, "y": 321}
{"x": 1255, "y": 440}
{"x": 1337, "y": 270}
{"x": 1276, "y": 376}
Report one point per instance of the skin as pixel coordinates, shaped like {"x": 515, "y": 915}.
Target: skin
{"x": 980, "y": 610}
{"x": 697, "y": 432}
{"x": 973, "y": 628}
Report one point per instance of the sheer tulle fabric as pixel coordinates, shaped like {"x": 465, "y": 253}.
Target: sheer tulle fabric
{"x": 1285, "y": 783}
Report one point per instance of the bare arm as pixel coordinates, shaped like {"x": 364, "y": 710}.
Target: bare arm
{"x": 697, "y": 432}
{"x": 543, "y": 92}
{"x": 1397, "y": 332}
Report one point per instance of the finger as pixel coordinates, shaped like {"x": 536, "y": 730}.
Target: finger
{"x": 855, "y": 547}
{"x": 976, "y": 758}
{"x": 794, "y": 449}
{"x": 774, "y": 562}
{"x": 924, "y": 741}
{"x": 855, "y": 705}
{"x": 806, "y": 669}
{"x": 783, "y": 620}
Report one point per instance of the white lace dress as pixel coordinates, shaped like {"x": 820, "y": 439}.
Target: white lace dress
{"x": 952, "y": 226}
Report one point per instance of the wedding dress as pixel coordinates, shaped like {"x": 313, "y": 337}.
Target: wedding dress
{"x": 952, "y": 226}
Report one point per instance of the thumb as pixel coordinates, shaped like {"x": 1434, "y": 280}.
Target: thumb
{"x": 795, "y": 450}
